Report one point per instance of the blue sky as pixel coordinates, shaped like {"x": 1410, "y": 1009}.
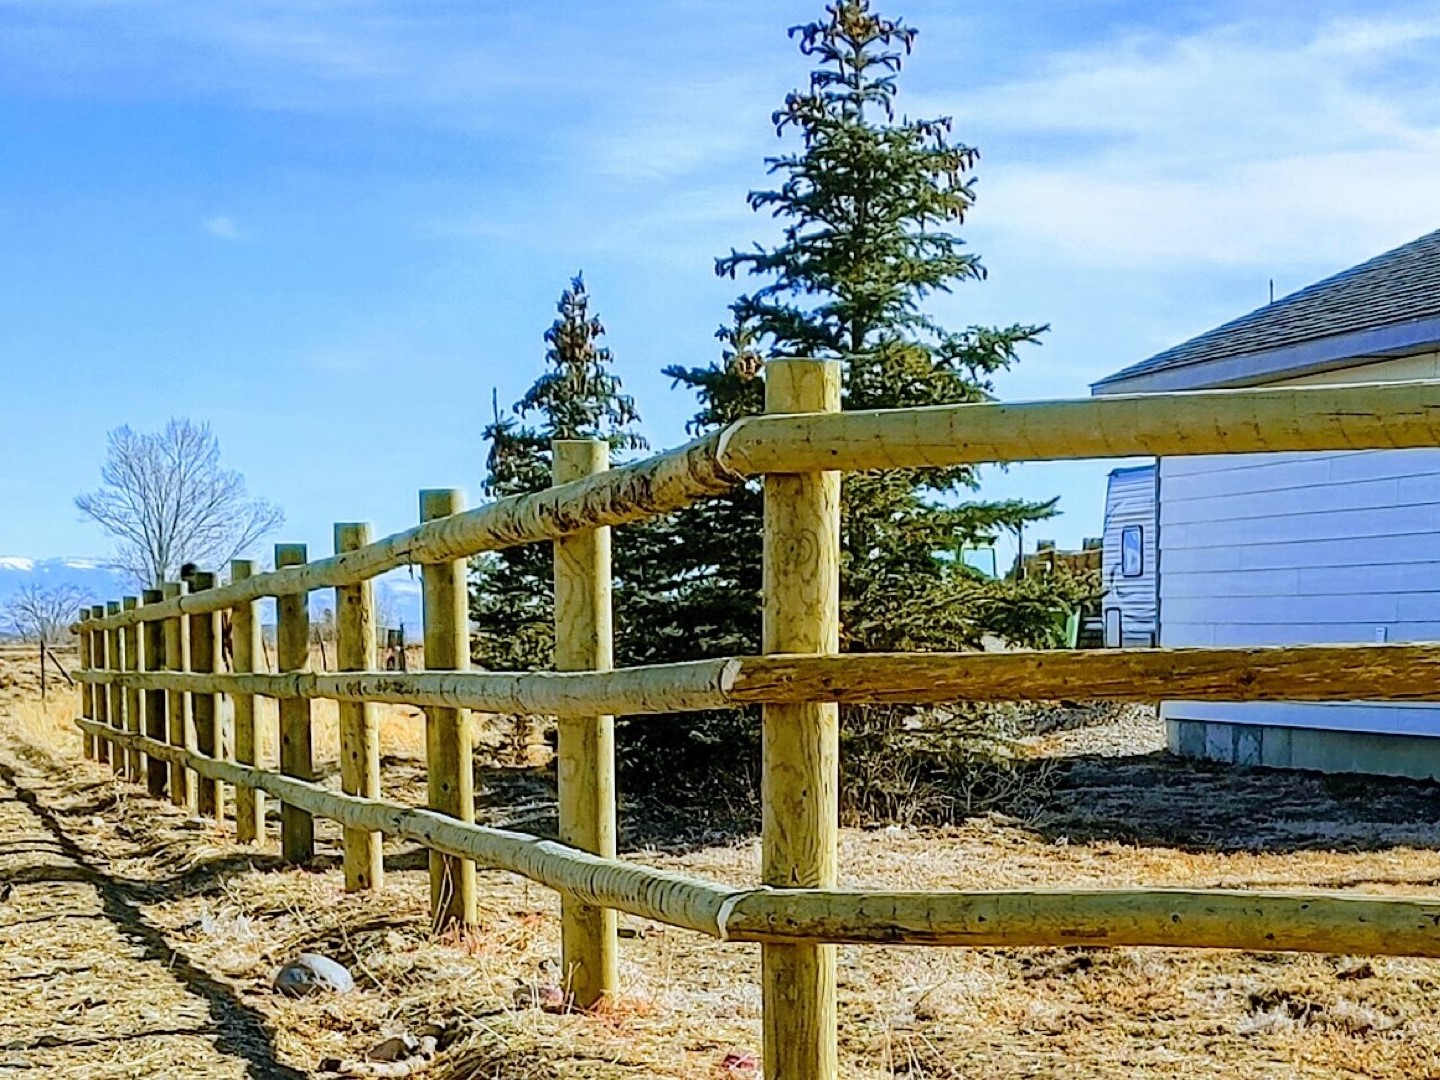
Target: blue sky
{"x": 331, "y": 228}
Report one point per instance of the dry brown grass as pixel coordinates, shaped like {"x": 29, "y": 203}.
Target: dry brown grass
{"x": 690, "y": 1004}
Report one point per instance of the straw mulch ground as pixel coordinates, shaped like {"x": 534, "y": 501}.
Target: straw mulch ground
{"x": 137, "y": 943}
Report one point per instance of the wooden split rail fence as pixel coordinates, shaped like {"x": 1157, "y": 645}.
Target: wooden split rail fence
{"x": 151, "y": 706}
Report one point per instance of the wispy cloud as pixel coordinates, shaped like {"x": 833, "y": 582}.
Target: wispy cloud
{"x": 1233, "y": 146}
{"x": 223, "y": 227}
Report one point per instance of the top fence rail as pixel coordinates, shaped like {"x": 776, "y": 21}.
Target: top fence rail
{"x": 1402, "y": 415}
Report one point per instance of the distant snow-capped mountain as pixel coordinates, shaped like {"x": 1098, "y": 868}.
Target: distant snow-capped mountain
{"x": 397, "y": 595}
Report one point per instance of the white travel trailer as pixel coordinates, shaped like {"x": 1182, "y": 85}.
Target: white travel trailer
{"x": 1129, "y": 609}
{"x": 1294, "y": 548}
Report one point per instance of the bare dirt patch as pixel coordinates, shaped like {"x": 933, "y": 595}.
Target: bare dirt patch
{"x": 139, "y": 879}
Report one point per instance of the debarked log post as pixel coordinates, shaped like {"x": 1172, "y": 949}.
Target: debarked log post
{"x": 204, "y": 657}
{"x": 247, "y": 650}
{"x": 115, "y": 661}
{"x": 184, "y": 783}
{"x": 585, "y": 745}
{"x": 449, "y": 735}
{"x": 359, "y": 729}
{"x": 297, "y": 755}
{"x": 800, "y": 746}
{"x": 152, "y": 658}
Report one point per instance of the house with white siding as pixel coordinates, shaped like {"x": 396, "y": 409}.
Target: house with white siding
{"x": 1294, "y": 548}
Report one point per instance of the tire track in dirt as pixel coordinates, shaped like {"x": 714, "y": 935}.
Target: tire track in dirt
{"x": 88, "y": 987}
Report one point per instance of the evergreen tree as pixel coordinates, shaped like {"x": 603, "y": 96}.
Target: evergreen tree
{"x": 689, "y": 589}
{"x": 577, "y": 397}
{"x": 867, "y": 203}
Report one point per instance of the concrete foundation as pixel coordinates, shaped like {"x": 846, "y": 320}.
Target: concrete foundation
{"x": 1415, "y": 756}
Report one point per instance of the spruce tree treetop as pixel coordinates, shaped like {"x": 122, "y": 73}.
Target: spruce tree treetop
{"x": 578, "y": 396}
{"x": 868, "y": 204}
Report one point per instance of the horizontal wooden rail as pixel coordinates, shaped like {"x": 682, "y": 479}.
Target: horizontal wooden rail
{"x": 1388, "y": 672}
{"x": 624, "y": 494}
{"x": 629, "y": 691}
{"x": 639, "y": 890}
{"x": 1212, "y": 919}
{"x": 1178, "y": 918}
{"x": 1359, "y": 417}
{"x": 1379, "y": 416}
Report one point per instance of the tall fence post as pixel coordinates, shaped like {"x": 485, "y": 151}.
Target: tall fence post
{"x": 297, "y": 754}
{"x": 184, "y": 783}
{"x": 115, "y": 657}
{"x": 204, "y": 645}
{"x": 87, "y": 690}
{"x": 800, "y": 743}
{"x": 100, "y": 692}
{"x": 585, "y": 745}
{"x": 359, "y": 730}
{"x": 246, "y": 651}
{"x": 449, "y": 738}
{"x": 134, "y": 702}
{"x": 152, "y": 658}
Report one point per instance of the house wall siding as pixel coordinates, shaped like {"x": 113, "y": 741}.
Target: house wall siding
{"x": 1287, "y": 549}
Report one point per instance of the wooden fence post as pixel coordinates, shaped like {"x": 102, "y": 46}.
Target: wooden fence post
{"x": 87, "y": 696}
{"x": 184, "y": 783}
{"x": 449, "y": 737}
{"x": 585, "y": 745}
{"x": 246, "y": 651}
{"x": 359, "y": 731}
{"x": 152, "y": 658}
{"x": 297, "y": 755}
{"x": 87, "y": 690}
{"x": 205, "y": 708}
{"x": 800, "y": 743}
{"x": 134, "y": 702}
{"x": 115, "y": 656}
{"x": 100, "y": 692}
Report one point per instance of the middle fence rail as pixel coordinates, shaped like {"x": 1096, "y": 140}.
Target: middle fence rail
{"x": 150, "y": 703}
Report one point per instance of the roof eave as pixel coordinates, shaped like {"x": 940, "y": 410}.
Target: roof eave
{"x": 1304, "y": 358}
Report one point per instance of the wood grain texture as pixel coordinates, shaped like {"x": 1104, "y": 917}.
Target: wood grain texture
{"x": 100, "y": 698}
{"x": 1390, "y": 672}
{"x": 1357, "y": 417}
{"x": 660, "y": 895}
{"x": 205, "y": 707}
{"x": 359, "y": 728}
{"x": 449, "y": 737}
{"x": 585, "y": 743}
{"x": 633, "y": 492}
{"x": 1360, "y": 417}
{"x": 297, "y": 748}
{"x": 184, "y": 783}
{"x": 115, "y": 653}
{"x": 248, "y": 654}
{"x": 152, "y": 658}
{"x": 1267, "y": 921}
{"x": 87, "y": 690}
{"x": 134, "y": 702}
{"x": 800, "y": 746}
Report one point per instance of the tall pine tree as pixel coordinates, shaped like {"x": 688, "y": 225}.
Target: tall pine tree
{"x": 867, "y": 203}
{"x": 577, "y": 397}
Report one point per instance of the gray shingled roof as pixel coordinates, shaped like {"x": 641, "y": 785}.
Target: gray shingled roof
{"x": 1398, "y": 287}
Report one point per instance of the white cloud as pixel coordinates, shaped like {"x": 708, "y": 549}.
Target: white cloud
{"x": 222, "y": 227}
{"x": 1235, "y": 146}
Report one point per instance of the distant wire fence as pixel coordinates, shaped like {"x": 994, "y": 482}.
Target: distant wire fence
{"x": 151, "y": 668}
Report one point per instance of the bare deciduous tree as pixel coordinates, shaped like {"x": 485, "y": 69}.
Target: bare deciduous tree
{"x": 167, "y": 501}
{"x": 44, "y": 613}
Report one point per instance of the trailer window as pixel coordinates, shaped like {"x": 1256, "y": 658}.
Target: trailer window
{"x": 1132, "y": 551}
